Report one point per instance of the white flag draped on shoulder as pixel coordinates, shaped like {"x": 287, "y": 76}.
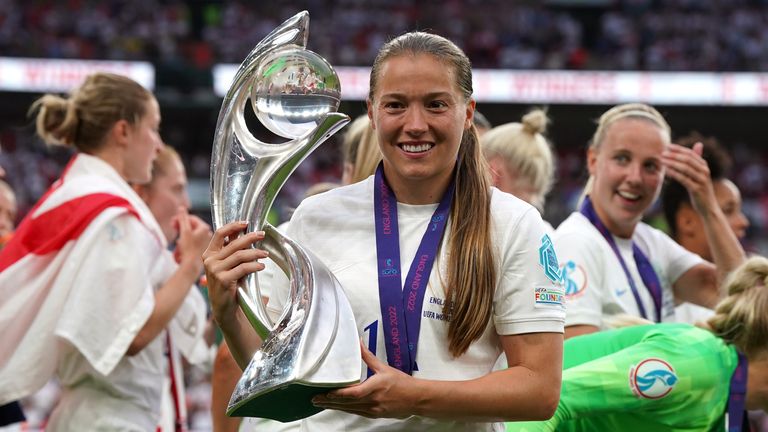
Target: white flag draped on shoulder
{"x": 69, "y": 276}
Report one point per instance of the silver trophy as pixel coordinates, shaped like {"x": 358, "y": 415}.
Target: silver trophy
{"x": 313, "y": 347}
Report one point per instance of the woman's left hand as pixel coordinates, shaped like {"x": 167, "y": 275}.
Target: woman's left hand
{"x": 194, "y": 236}
{"x": 688, "y": 167}
{"x": 387, "y": 393}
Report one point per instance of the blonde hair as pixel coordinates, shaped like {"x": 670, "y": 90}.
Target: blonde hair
{"x": 525, "y": 152}
{"x": 472, "y": 278}
{"x": 83, "y": 119}
{"x": 6, "y": 189}
{"x": 636, "y": 111}
{"x": 742, "y": 318}
{"x": 319, "y": 188}
{"x": 624, "y": 320}
{"x": 164, "y": 160}
{"x": 360, "y": 149}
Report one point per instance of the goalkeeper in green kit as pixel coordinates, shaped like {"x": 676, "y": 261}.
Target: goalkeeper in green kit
{"x": 671, "y": 377}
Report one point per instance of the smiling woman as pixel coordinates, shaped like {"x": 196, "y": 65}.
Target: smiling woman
{"x": 420, "y": 115}
{"x": 614, "y": 263}
{"x": 432, "y": 317}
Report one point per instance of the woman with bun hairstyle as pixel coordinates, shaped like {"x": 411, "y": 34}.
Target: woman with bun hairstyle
{"x": 521, "y": 159}
{"x": 671, "y": 377}
{"x": 86, "y": 296}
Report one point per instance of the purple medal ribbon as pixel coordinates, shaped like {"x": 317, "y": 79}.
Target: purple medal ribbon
{"x": 401, "y": 306}
{"x": 644, "y": 267}
{"x": 735, "y": 414}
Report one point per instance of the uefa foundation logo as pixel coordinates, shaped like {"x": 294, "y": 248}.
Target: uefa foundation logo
{"x": 652, "y": 378}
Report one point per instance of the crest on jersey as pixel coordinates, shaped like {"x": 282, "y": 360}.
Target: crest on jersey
{"x": 652, "y": 378}
{"x": 548, "y": 259}
{"x": 574, "y": 279}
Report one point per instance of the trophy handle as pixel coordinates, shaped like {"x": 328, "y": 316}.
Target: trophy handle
{"x": 247, "y": 174}
{"x": 308, "y": 349}
{"x": 271, "y": 170}
{"x": 235, "y": 150}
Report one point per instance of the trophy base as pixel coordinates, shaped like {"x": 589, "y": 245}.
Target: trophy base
{"x": 284, "y": 404}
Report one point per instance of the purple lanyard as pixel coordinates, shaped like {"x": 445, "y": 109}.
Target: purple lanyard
{"x": 401, "y": 306}
{"x": 735, "y": 414}
{"x": 644, "y": 267}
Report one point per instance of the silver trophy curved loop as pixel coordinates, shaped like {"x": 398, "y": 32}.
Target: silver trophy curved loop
{"x": 311, "y": 347}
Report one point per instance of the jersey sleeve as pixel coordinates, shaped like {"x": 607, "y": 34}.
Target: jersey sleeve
{"x": 529, "y": 297}
{"x": 583, "y": 270}
{"x": 643, "y": 376}
{"x": 668, "y": 380}
{"x": 188, "y": 327}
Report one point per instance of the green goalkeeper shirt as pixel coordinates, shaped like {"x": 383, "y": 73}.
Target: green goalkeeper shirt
{"x": 662, "y": 377}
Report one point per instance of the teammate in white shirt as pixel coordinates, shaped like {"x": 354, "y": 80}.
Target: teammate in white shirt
{"x": 521, "y": 160}
{"x": 494, "y": 286}
{"x": 615, "y": 264}
{"x": 189, "y": 333}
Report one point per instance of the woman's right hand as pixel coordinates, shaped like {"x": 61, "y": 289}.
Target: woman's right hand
{"x": 228, "y": 258}
{"x": 688, "y": 167}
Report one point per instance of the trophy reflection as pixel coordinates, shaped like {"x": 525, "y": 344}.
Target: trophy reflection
{"x": 313, "y": 347}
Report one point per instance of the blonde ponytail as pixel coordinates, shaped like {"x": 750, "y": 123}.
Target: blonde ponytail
{"x": 742, "y": 318}
{"x": 56, "y": 120}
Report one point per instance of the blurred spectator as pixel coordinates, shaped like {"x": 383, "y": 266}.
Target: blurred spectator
{"x": 8, "y": 211}
{"x": 481, "y": 123}
{"x": 701, "y": 35}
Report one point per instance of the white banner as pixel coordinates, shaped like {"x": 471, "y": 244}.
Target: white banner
{"x": 577, "y": 87}
{"x": 60, "y": 75}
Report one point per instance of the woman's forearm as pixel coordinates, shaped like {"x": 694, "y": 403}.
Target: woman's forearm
{"x": 513, "y": 394}
{"x": 242, "y": 339}
{"x": 727, "y": 251}
{"x": 528, "y": 390}
{"x": 168, "y": 299}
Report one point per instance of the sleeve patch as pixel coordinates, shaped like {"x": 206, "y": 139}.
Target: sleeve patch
{"x": 652, "y": 378}
{"x": 548, "y": 297}
{"x": 574, "y": 279}
{"x": 548, "y": 259}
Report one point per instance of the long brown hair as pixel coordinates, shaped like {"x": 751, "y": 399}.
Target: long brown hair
{"x": 471, "y": 278}
{"x": 83, "y": 119}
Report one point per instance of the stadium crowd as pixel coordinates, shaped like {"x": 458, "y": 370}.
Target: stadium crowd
{"x": 718, "y": 35}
